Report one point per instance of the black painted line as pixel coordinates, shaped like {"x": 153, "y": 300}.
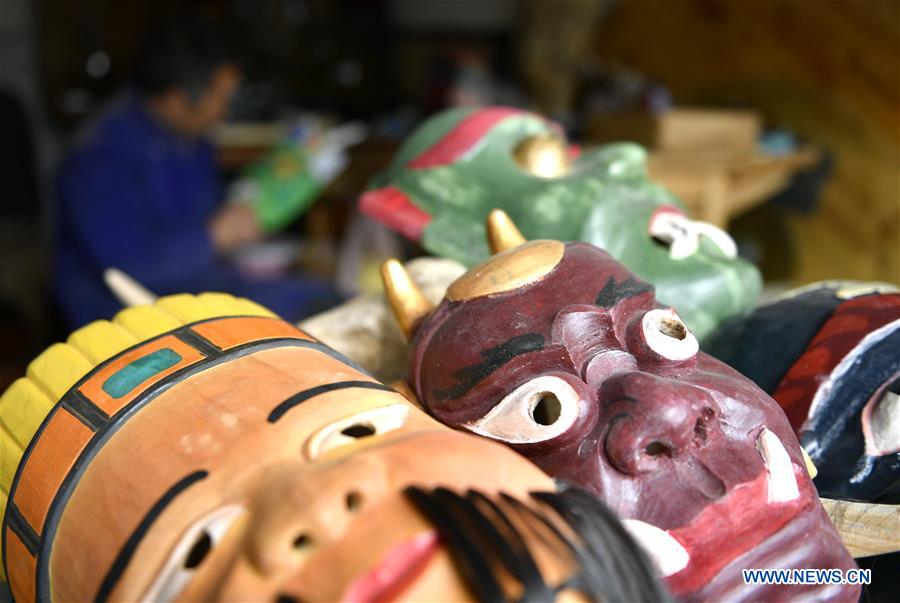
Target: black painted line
{"x": 12, "y": 489}
{"x": 321, "y": 347}
{"x": 613, "y": 292}
{"x": 84, "y": 410}
{"x": 120, "y": 563}
{"x": 312, "y": 345}
{"x": 341, "y": 358}
{"x": 21, "y": 528}
{"x": 198, "y": 342}
{"x": 305, "y": 395}
{"x": 470, "y": 376}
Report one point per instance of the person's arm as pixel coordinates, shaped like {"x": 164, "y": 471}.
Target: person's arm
{"x": 106, "y": 208}
{"x": 233, "y": 225}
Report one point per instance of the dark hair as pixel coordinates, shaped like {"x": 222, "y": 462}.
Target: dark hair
{"x": 181, "y": 54}
{"x": 484, "y": 538}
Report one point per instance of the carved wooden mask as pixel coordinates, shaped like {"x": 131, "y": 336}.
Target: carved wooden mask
{"x": 236, "y": 458}
{"x": 461, "y": 163}
{"x": 828, "y": 353}
{"x": 559, "y": 351}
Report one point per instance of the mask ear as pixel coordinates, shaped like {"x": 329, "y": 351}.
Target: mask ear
{"x": 406, "y": 300}
{"x": 502, "y": 234}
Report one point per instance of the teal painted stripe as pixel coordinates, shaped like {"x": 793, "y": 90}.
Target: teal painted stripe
{"x": 131, "y": 375}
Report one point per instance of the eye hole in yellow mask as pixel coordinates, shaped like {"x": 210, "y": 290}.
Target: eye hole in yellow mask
{"x": 543, "y": 155}
{"x": 190, "y": 552}
{"x": 360, "y": 426}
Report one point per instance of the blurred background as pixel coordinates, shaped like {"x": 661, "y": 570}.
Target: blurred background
{"x": 776, "y": 119}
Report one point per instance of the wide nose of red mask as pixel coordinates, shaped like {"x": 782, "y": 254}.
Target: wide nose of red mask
{"x": 654, "y": 420}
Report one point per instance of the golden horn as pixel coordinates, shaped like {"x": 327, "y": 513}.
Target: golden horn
{"x": 502, "y": 234}
{"x": 407, "y": 301}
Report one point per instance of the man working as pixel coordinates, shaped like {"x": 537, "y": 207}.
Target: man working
{"x": 139, "y": 191}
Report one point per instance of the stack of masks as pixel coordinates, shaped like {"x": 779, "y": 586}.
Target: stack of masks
{"x": 561, "y": 435}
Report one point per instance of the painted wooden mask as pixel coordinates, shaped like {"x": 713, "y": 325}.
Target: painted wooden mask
{"x": 202, "y": 449}
{"x": 830, "y": 355}
{"x": 462, "y": 163}
{"x": 562, "y": 353}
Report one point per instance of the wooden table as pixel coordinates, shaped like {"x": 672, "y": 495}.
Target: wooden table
{"x": 719, "y": 185}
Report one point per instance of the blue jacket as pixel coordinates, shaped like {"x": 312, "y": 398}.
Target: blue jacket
{"x": 137, "y": 197}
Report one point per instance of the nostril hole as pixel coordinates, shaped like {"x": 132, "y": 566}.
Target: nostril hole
{"x": 198, "y": 552}
{"x": 283, "y": 598}
{"x": 672, "y": 328}
{"x": 656, "y": 449}
{"x": 302, "y": 541}
{"x": 547, "y": 410}
{"x": 353, "y": 501}
{"x": 700, "y": 429}
{"x": 359, "y": 430}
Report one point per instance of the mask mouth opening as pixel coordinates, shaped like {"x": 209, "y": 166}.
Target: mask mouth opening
{"x": 681, "y": 236}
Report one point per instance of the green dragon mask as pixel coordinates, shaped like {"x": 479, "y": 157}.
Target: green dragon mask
{"x": 462, "y": 163}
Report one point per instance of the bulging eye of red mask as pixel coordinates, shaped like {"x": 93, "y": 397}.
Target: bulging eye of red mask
{"x": 538, "y": 410}
{"x": 663, "y": 337}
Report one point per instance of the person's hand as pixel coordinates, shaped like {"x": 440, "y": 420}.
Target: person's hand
{"x": 232, "y": 226}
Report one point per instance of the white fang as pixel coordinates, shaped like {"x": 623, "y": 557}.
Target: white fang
{"x": 666, "y": 552}
{"x": 782, "y": 481}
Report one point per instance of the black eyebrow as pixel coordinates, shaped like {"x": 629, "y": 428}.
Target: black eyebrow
{"x": 613, "y": 292}
{"x": 494, "y": 358}
{"x": 127, "y": 551}
{"x": 306, "y": 394}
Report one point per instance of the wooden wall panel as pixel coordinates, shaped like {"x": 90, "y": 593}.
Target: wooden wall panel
{"x": 828, "y": 69}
